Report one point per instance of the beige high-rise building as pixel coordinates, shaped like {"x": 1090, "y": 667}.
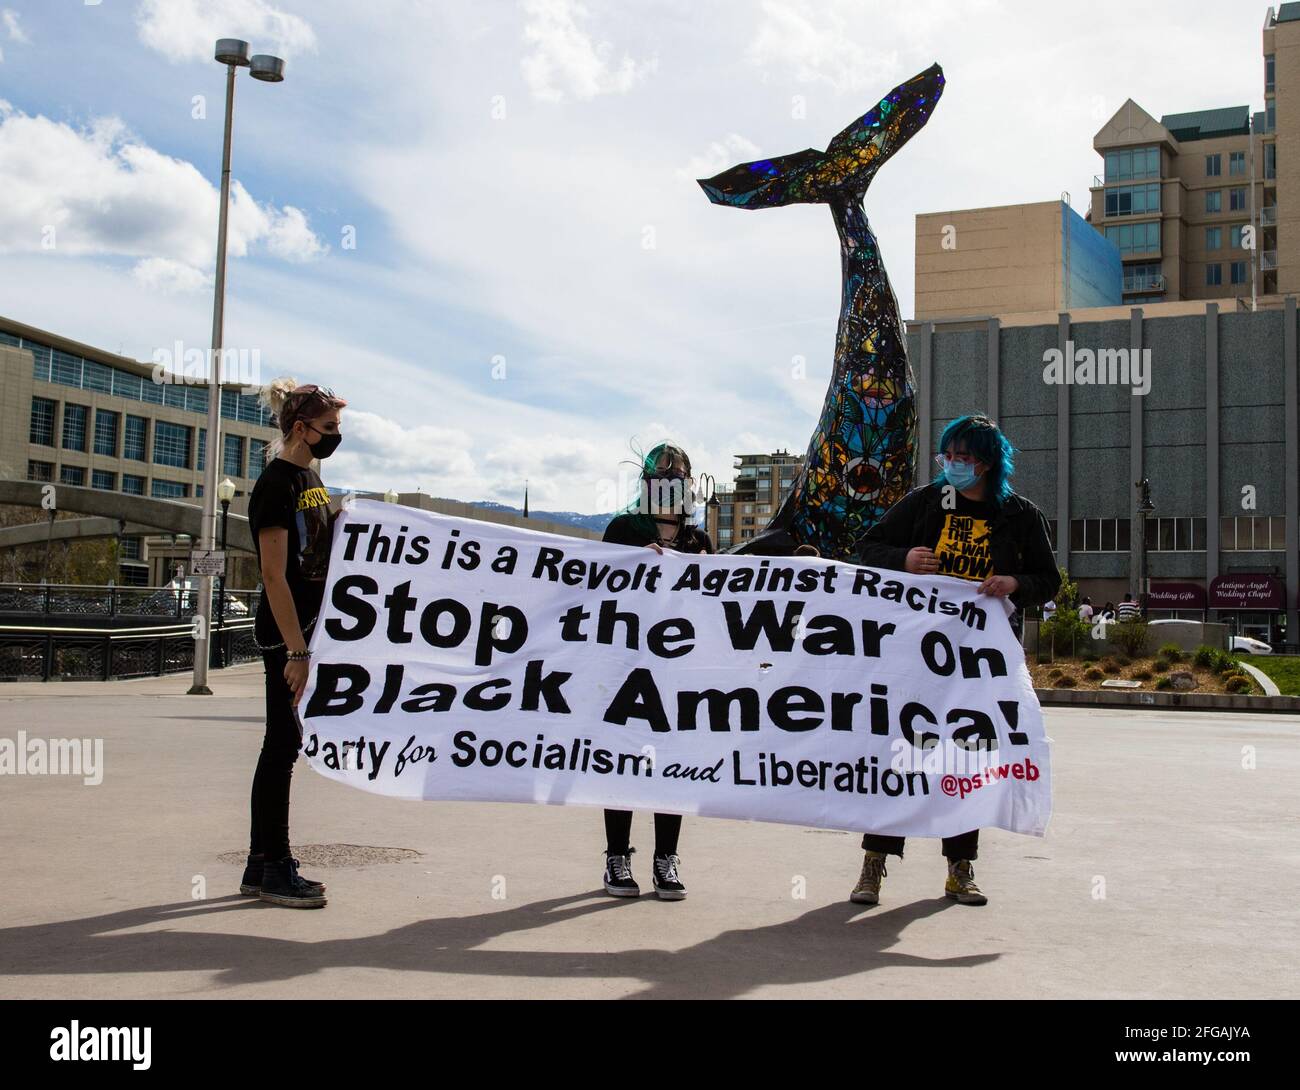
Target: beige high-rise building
{"x": 761, "y": 485}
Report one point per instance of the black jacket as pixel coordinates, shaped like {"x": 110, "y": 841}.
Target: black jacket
{"x": 1020, "y": 547}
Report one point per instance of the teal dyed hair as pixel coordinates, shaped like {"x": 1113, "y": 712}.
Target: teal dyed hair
{"x": 984, "y": 439}
{"x": 656, "y": 460}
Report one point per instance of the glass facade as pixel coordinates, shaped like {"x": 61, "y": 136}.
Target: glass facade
{"x": 74, "y": 427}
{"x": 1135, "y": 238}
{"x": 137, "y": 435}
{"x": 257, "y": 449}
{"x": 1142, "y": 276}
{"x": 167, "y": 490}
{"x": 42, "y": 429}
{"x": 1132, "y": 163}
{"x": 73, "y": 475}
{"x": 232, "y": 464}
{"x": 106, "y": 424}
{"x": 103, "y": 479}
{"x": 1133, "y": 200}
{"x": 132, "y": 485}
{"x": 40, "y": 471}
{"x": 51, "y": 365}
{"x": 171, "y": 444}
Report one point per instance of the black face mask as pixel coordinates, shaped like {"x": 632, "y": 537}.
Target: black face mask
{"x": 326, "y": 445}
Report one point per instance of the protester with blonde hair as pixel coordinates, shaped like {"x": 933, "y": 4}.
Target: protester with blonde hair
{"x": 289, "y": 518}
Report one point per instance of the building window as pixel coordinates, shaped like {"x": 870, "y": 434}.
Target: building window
{"x": 1213, "y": 166}
{"x": 1132, "y": 163}
{"x": 1214, "y": 200}
{"x": 1135, "y": 238}
{"x": 167, "y": 490}
{"x": 1240, "y": 274}
{"x": 1168, "y": 535}
{"x": 1234, "y": 236}
{"x": 1142, "y": 276}
{"x": 42, "y": 431}
{"x": 1132, "y": 200}
{"x": 106, "y": 433}
{"x": 103, "y": 480}
{"x": 1252, "y": 533}
{"x": 135, "y": 443}
{"x": 1099, "y": 535}
{"x": 1270, "y": 160}
{"x": 1236, "y": 200}
{"x": 73, "y": 475}
{"x": 1236, "y": 162}
{"x": 256, "y": 456}
{"x": 1213, "y": 238}
{"x": 130, "y": 548}
{"x": 1213, "y": 275}
{"x": 232, "y": 465}
{"x": 171, "y": 444}
{"x": 132, "y": 485}
{"x": 74, "y": 427}
{"x": 201, "y": 455}
{"x": 1270, "y": 115}
{"x": 40, "y": 471}
{"x": 1268, "y": 73}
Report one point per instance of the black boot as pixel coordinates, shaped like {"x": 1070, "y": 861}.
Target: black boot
{"x": 282, "y": 886}
{"x": 251, "y": 884}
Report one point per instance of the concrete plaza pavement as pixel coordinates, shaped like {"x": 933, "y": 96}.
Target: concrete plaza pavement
{"x": 1171, "y": 869}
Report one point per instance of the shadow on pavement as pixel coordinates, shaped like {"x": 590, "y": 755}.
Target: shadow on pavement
{"x": 822, "y": 945}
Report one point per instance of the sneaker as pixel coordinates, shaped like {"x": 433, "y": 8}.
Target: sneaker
{"x": 282, "y": 886}
{"x": 867, "y": 891}
{"x": 667, "y": 882}
{"x": 618, "y": 875}
{"x": 251, "y": 884}
{"x": 961, "y": 885}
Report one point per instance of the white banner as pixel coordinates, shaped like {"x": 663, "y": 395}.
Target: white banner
{"x": 457, "y": 659}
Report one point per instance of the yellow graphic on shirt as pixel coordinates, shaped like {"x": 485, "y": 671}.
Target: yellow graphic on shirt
{"x": 313, "y": 497}
{"x": 963, "y": 549}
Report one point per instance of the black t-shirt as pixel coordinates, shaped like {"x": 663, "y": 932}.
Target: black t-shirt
{"x": 294, "y": 498}
{"x": 964, "y": 546}
{"x": 633, "y": 529}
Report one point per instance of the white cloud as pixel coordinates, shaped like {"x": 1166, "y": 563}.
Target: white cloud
{"x": 99, "y": 190}
{"x": 186, "y": 30}
{"x": 170, "y": 277}
{"x": 814, "y": 44}
{"x": 16, "y": 33}
{"x": 566, "y": 63}
{"x": 724, "y": 153}
{"x": 290, "y": 236}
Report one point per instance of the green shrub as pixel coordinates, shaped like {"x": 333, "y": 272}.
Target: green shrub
{"x": 1065, "y": 633}
{"x": 1095, "y": 675}
{"x": 1129, "y": 636}
{"x": 1238, "y": 684}
{"x": 1203, "y": 656}
{"x": 1172, "y": 652}
{"x": 1065, "y": 682}
{"x": 1161, "y": 664}
{"x": 1164, "y": 681}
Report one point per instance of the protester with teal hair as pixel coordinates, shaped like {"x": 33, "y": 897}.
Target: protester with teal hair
{"x": 660, "y": 517}
{"x": 966, "y": 523}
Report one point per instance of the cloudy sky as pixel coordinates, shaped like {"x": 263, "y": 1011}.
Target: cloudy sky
{"x": 477, "y": 219}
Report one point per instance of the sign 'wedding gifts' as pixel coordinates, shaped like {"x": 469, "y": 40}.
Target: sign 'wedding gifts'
{"x": 456, "y": 659}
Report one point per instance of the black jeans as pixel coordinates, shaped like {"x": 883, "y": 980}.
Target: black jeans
{"x": 965, "y": 846}
{"x": 280, "y": 746}
{"x": 618, "y": 831}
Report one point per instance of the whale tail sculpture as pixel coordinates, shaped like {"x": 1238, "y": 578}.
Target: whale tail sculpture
{"x": 863, "y": 454}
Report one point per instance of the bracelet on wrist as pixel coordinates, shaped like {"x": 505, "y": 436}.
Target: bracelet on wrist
{"x": 298, "y": 656}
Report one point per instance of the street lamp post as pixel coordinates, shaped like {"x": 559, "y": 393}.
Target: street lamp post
{"x": 225, "y": 493}
{"x": 1144, "y": 508}
{"x": 233, "y": 53}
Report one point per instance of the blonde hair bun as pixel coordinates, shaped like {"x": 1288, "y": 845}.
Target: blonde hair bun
{"x": 274, "y": 394}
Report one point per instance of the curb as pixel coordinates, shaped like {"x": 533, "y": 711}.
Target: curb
{"x": 1237, "y": 702}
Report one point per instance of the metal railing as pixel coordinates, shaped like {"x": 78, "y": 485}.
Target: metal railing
{"x": 1268, "y": 216}
{"x": 1268, "y": 259}
{"x": 34, "y": 653}
{"x": 80, "y": 600}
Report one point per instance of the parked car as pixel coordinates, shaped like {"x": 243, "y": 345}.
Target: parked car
{"x": 1249, "y": 645}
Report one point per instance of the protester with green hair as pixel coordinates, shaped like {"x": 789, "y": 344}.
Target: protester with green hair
{"x": 660, "y": 517}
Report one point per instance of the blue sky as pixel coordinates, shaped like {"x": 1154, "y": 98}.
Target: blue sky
{"x": 537, "y": 283}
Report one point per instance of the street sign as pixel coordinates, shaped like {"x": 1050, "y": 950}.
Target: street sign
{"x": 207, "y": 562}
